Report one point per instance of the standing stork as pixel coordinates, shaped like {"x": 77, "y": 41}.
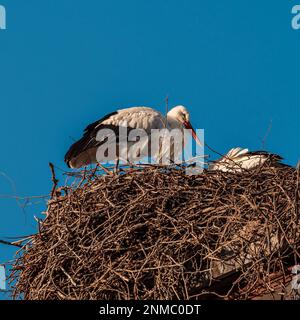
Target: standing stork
{"x": 238, "y": 159}
{"x": 83, "y": 152}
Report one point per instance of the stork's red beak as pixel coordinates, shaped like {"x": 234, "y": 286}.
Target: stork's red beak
{"x": 188, "y": 125}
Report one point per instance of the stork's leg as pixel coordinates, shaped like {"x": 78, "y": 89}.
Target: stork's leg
{"x": 131, "y": 165}
{"x": 117, "y": 165}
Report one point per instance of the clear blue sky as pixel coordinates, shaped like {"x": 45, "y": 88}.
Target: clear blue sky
{"x": 64, "y": 63}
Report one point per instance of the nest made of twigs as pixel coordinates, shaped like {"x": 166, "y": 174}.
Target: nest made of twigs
{"x": 158, "y": 233}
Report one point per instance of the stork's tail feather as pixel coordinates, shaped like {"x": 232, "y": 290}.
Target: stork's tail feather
{"x": 75, "y": 150}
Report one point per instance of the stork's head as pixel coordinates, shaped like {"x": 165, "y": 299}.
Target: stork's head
{"x": 180, "y": 116}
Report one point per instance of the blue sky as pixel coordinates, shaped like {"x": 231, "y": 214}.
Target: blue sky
{"x": 64, "y": 63}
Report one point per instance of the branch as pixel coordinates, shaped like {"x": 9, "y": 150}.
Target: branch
{"x": 10, "y": 243}
{"x": 54, "y": 180}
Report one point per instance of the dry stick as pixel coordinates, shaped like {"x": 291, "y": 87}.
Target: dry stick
{"x": 263, "y": 141}
{"x": 10, "y": 243}
{"x": 166, "y": 112}
{"x": 53, "y": 178}
{"x": 167, "y": 104}
{"x": 104, "y": 169}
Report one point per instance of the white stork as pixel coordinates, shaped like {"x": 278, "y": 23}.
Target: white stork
{"x": 238, "y": 159}
{"x": 83, "y": 152}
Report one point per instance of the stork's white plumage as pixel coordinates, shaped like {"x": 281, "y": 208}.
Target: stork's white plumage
{"x": 238, "y": 159}
{"x": 83, "y": 152}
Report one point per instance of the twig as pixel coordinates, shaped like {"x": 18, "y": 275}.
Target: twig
{"x": 263, "y": 141}
{"x": 53, "y": 178}
{"x": 10, "y": 243}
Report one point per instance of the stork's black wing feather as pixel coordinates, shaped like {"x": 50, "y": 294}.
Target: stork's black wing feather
{"x": 273, "y": 159}
{"x": 266, "y": 154}
{"x": 88, "y": 141}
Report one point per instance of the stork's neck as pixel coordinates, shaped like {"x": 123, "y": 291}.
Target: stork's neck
{"x": 173, "y": 123}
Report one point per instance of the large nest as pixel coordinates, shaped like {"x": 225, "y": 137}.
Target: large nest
{"x": 161, "y": 234}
